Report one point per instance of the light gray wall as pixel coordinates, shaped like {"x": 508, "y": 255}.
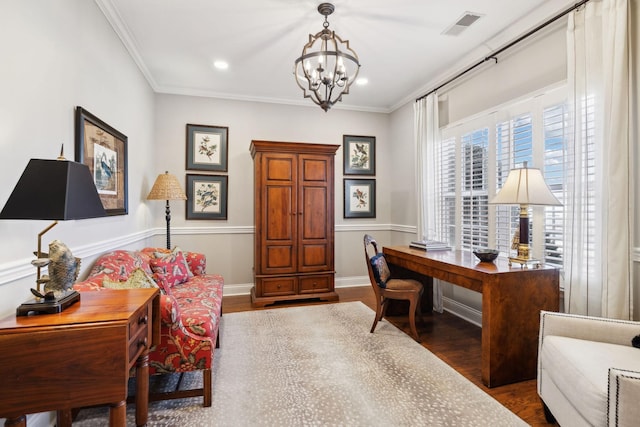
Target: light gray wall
{"x": 79, "y": 51}
{"x": 63, "y": 54}
{"x": 56, "y": 56}
{"x": 635, "y": 136}
{"x": 531, "y": 65}
{"x": 403, "y": 161}
{"x": 229, "y": 244}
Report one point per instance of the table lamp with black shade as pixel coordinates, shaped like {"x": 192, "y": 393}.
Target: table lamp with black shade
{"x": 57, "y": 190}
{"x": 525, "y": 186}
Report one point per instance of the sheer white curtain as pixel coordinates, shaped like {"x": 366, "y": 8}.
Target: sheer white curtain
{"x": 599, "y": 198}
{"x": 427, "y": 136}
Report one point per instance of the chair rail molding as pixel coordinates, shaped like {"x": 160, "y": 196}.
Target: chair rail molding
{"x": 376, "y": 227}
{"x": 22, "y": 268}
{"x": 193, "y": 231}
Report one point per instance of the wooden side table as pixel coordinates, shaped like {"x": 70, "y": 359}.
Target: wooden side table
{"x": 80, "y": 357}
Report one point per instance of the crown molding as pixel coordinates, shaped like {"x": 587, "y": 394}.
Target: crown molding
{"x": 122, "y": 30}
{"x": 128, "y": 40}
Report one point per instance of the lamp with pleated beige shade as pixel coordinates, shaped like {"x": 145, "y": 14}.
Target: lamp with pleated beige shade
{"x": 525, "y": 186}
{"x": 167, "y": 188}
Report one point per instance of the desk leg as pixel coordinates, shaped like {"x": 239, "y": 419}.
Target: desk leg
{"x": 142, "y": 389}
{"x": 64, "y": 418}
{"x": 118, "y": 414}
{"x": 511, "y": 305}
{"x": 20, "y": 421}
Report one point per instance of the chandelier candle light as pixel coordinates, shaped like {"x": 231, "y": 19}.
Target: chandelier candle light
{"x": 524, "y": 187}
{"x": 328, "y": 66}
{"x": 167, "y": 188}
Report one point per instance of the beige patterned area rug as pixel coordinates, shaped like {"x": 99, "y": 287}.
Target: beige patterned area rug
{"x": 318, "y": 365}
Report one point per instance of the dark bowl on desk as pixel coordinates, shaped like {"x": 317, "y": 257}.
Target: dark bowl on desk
{"x": 486, "y": 255}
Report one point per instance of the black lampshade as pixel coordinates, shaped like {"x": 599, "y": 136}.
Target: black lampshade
{"x": 54, "y": 190}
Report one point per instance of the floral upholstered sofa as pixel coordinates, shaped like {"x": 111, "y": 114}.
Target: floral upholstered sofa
{"x": 190, "y": 307}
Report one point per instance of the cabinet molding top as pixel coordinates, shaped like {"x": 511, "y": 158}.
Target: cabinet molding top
{"x": 291, "y": 147}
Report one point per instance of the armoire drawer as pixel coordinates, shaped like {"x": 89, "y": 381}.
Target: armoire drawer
{"x": 314, "y": 284}
{"x": 278, "y": 286}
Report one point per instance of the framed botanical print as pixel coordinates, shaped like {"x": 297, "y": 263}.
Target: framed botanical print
{"x": 206, "y": 196}
{"x": 104, "y": 150}
{"x": 359, "y": 198}
{"x": 207, "y": 148}
{"x": 359, "y": 153}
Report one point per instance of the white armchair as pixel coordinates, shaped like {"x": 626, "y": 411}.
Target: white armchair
{"x": 588, "y": 371}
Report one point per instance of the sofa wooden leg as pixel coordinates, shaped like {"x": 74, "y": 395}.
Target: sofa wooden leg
{"x": 206, "y": 386}
{"x": 218, "y": 333}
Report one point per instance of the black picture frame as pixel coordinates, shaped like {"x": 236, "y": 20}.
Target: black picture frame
{"x": 207, "y": 148}
{"x": 359, "y": 155}
{"x": 359, "y": 198}
{"x": 104, "y": 150}
{"x": 207, "y": 196}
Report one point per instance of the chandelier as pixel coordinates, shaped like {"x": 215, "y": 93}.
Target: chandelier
{"x": 328, "y": 66}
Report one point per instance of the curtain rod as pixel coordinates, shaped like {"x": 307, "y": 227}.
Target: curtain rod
{"x": 509, "y": 45}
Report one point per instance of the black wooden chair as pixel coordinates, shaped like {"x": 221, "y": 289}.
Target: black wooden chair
{"x": 388, "y": 288}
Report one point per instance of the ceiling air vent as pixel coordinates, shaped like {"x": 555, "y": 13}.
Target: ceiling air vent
{"x": 462, "y": 24}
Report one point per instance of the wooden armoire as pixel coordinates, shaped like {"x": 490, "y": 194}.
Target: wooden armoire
{"x": 294, "y": 222}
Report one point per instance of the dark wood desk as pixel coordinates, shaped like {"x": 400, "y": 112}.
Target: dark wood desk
{"x": 512, "y": 298}
{"x": 80, "y": 357}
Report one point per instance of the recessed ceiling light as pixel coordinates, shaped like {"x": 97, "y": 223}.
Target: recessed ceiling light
{"x": 221, "y": 65}
{"x": 362, "y": 81}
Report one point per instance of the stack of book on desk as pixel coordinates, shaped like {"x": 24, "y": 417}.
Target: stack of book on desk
{"x": 430, "y": 245}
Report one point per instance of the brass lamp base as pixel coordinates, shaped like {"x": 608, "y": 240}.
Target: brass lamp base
{"x": 44, "y": 306}
{"x": 523, "y": 257}
{"x": 525, "y": 262}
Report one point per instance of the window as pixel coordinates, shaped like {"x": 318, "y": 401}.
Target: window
{"x": 555, "y": 124}
{"x": 474, "y": 195}
{"x": 475, "y": 157}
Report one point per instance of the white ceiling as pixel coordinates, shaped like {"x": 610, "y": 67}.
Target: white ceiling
{"x": 399, "y": 43}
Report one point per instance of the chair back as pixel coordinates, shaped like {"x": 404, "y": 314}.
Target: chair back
{"x": 371, "y": 250}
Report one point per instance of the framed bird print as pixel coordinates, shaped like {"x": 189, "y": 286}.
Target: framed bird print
{"x": 359, "y": 154}
{"x": 207, "y": 147}
{"x": 104, "y": 150}
{"x": 359, "y": 198}
{"x": 206, "y": 196}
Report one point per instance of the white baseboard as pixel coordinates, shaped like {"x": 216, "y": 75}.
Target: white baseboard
{"x": 454, "y": 307}
{"x": 463, "y": 311}
{"x": 42, "y": 419}
{"x": 350, "y": 282}
{"x": 236, "y": 289}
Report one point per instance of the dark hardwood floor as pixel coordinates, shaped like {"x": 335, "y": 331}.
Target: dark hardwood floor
{"x": 452, "y": 339}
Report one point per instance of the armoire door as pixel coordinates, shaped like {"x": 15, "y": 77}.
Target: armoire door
{"x": 280, "y": 214}
{"x": 315, "y": 213}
